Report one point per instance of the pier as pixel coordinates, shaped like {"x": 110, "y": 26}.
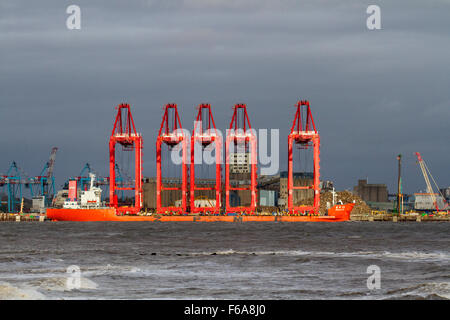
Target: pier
{"x": 398, "y": 218}
{"x": 22, "y": 218}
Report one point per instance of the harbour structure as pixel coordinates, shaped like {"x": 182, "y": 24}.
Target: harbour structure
{"x": 12, "y": 181}
{"x": 206, "y": 136}
{"x": 240, "y": 171}
{"x": 171, "y": 135}
{"x": 240, "y": 158}
{"x": 305, "y": 135}
{"x": 430, "y": 199}
{"x": 124, "y": 133}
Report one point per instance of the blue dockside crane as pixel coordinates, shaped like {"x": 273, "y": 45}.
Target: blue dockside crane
{"x": 44, "y": 183}
{"x": 119, "y": 180}
{"x": 13, "y": 182}
{"x": 84, "y": 179}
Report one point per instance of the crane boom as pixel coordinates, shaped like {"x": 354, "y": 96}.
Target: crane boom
{"x": 425, "y": 173}
{"x": 51, "y": 162}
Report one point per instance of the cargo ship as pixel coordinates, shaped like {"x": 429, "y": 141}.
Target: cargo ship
{"x": 335, "y": 214}
{"x": 89, "y": 207}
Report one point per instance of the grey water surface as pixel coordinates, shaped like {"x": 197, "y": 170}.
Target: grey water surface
{"x": 140, "y": 260}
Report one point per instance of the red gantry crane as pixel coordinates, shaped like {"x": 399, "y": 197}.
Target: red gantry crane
{"x": 240, "y": 134}
{"x": 124, "y": 133}
{"x": 205, "y": 132}
{"x": 171, "y": 133}
{"x": 304, "y": 134}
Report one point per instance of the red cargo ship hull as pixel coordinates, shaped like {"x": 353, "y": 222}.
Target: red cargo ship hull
{"x": 337, "y": 213}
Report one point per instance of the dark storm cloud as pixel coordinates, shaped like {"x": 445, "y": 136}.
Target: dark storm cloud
{"x": 374, "y": 94}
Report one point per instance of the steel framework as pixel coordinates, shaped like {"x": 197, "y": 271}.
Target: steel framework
{"x": 304, "y": 133}
{"x": 426, "y": 173}
{"x": 84, "y": 179}
{"x": 119, "y": 181}
{"x": 45, "y": 181}
{"x": 13, "y": 182}
{"x": 240, "y": 132}
{"x": 171, "y": 134}
{"x": 124, "y": 133}
{"x": 206, "y": 133}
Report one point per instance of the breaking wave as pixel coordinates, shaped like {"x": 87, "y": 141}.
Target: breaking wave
{"x": 411, "y": 255}
{"x": 60, "y": 284}
{"x": 432, "y": 290}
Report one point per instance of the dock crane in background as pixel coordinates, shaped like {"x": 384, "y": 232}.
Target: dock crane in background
{"x": 44, "y": 183}
{"x": 13, "y": 182}
{"x": 84, "y": 178}
{"x": 426, "y": 172}
{"x": 119, "y": 182}
{"x": 399, "y": 186}
{"x": 103, "y": 182}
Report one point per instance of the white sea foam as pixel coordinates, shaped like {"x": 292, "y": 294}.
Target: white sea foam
{"x": 441, "y": 289}
{"x": 9, "y": 292}
{"x": 425, "y": 290}
{"x": 408, "y": 255}
{"x": 109, "y": 269}
{"x": 414, "y": 255}
{"x": 60, "y": 284}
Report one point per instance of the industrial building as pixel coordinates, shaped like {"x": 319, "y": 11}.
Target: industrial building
{"x": 278, "y": 183}
{"x": 428, "y": 201}
{"x": 446, "y": 193}
{"x": 272, "y": 191}
{"x": 169, "y": 199}
{"x": 371, "y": 192}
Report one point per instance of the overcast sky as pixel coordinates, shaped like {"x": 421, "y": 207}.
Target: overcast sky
{"x": 374, "y": 94}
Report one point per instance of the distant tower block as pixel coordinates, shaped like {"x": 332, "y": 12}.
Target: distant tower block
{"x": 304, "y": 133}
{"x": 240, "y": 162}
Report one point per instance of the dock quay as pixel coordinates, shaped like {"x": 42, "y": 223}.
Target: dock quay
{"x": 14, "y": 217}
{"x": 398, "y": 218}
{"x": 22, "y": 218}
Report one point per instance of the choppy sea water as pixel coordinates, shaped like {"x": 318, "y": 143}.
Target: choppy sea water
{"x": 139, "y": 260}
